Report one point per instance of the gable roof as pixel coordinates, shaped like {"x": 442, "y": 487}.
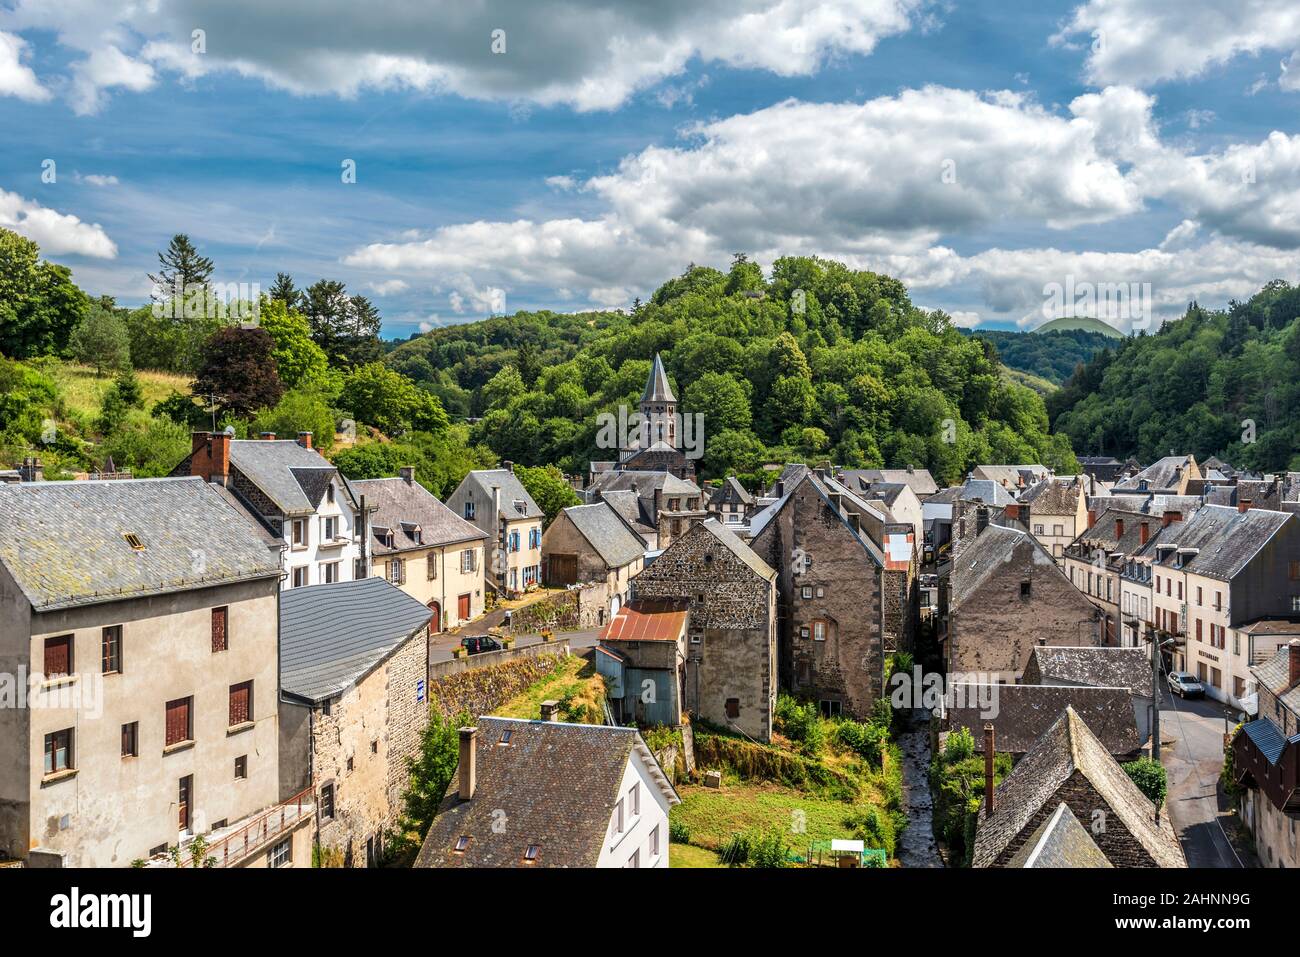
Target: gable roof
{"x": 919, "y": 481}
{"x": 64, "y": 542}
{"x": 731, "y": 491}
{"x": 1054, "y": 496}
{"x": 512, "y": 490}
{"x": 1100, "y": 667}
{"x": 732, "y": 543}
{"x": 1161, "y": 474}
{"x": 986, "y": 491}
{"x": 992, "y": 549}
{"x": 1069, "y": 746}
{"x": 615, "y": 543}
{"x": 403, "y": 506}
{"x": 292, "y": 477}
{"x": 1060, "y": 841}
{"x": 331, "y": 636}
{"x": 633, "y": 508}
{"x": 1025, "y": 711}
{"x": 1226, "y": 539}
{"x": 555, "y": 783}
{"x": 657, "y": 388}
{"x": 826, "y": 487}
{"x": 648, "y": 620}
{"x": 643, "y": 482}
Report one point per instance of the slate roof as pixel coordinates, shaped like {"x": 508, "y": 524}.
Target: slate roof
{"x": 1053, "y": 496}
{"x": 633, "y": 508}
{"x": 400, "y": 506}
{"x": 293, "y": 477}
{"x": 645, "y": 483}
{"x": 1023, "y": 713}
{"x": 919, "y": 480}
{"x": 1226, "y": 538}
{"x": 992, "y": 549}
{"x": 1104, "y": 667}
{"x": 988, "y": 492}
{"x": 331, "y": 636}
{"x": 657, "y": 388}
{"x": 1069, "y": 746}
{"x": 1270, "y": 741}
{"x": 555, "y": 783}
{"x": 887, "y": 492}
{"x": 731, "y": 491}
{"x": 512, "y": 490}
{"x": 613, "y": 541}
{"x": 1160, "y": 474}
{"x": 64, "y": 544}
{"x": 648, "y": 620}
{"x": 1015, "y": 476}
{"x": 1060, "y": 841}
{"x": 1274, "y": 675}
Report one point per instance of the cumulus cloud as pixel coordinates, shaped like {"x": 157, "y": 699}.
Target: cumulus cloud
{"x": 588, "y": 54}
{"x": 388, "y": 287}
{"x": 16, "y": 77}
{"x": 1141, "y": 42}
{"x": 56, "y": 233}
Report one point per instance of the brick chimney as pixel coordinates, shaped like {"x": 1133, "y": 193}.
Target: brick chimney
{"x": 1092, "y": 517}
{"x": 266, "y": 436}
{"x": 1170, "y": 517}
{"x": 1293, "y": 663}
{"x": 1012, "y": 512}
{"x": 1243, "y": 505}
{"x": 1144, "y": 533}
{"x": 407, "y": 472}
{"x": 211, "y": 456}
{"x": 304, "y": 439}
{"x": 1119, "y": 528}
{"x": 989, "y": 804}
{"x": 550, "y": 710}
{"x": 468, "y": 755}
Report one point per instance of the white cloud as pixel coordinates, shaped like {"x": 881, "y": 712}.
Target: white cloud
{"x": 56, "y": 233}
{"x": 98, "y": 179}
{"x": 16, "y": 77}
{"x": 1141, "y": 42}
{"x": 388, "y": 287}
{"x": 106, "y": 69}
{"x": 588, "y": 54}
{"x": 965, "y": 319}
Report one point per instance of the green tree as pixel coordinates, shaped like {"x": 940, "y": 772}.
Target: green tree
{"x": 39, "y": 305}
{"x": 180, "y": 267}
{"x": 284, "y": 291}
{"x": 346, "y": 327}
{"x": 723, "y": 401}
{"x": 299, "y": 410}
{"x": 100, "y": 340}
{"x": 529, "y": 363}
{"x": 1150, "y": 778}
{"x": 548, "y": 488}
{"x": 239, "y": 370}
{"x": 428, "y": 775}
{"x": 378, "y": 396}
{"x": 298, "y": 359}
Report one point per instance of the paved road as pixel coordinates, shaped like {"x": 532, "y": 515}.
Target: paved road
{"x": 1192, "y": 735}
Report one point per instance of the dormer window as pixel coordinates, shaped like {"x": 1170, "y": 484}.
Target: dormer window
{"x": 133, "y": 540}
{"x": 521, "y": 506}
{"x": 505, "y": 738}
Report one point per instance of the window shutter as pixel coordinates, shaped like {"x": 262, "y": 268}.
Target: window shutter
{"x": 58, "y": 656}
{"x": 178, "y": 721}
{"x": 241, "y": 703}
{"x": 219, "y": 629}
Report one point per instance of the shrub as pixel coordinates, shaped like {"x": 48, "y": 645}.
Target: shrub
{"x": 1149, "y": 776}
{"x": 678, "y": 832}
{"x": 801, "y": 723}
{"x": 959, "y": 746}
{"x": 769, "y": 848}
{"x": 735, "y": 853}
{"x": 874, "y": 827}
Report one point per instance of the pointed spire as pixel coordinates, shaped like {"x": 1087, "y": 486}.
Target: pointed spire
{"x": 657, "y": 388}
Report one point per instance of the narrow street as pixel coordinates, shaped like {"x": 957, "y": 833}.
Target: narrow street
{"x": 1192, "y": 752}
{"x": 916, "y": 847}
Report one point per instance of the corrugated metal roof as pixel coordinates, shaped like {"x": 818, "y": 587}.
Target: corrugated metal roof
{"x": 332, "y": 635}
{"x": 647, "y": 620}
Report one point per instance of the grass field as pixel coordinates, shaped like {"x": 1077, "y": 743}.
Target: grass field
{"x": 714, "y": 814}
{"x": 84, "y": 392}
{"x": 688, "y": 855}
{"x": 575, "y": 684}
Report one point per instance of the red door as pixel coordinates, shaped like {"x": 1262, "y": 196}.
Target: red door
{"x": 463, "y": 607}
{"x": 435, "y": 623}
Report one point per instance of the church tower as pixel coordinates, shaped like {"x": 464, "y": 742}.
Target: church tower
{"x": 658, "y": 408}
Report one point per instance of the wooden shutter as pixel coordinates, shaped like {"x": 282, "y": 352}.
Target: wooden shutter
{"x": 219, "y": 619}
{"x": 241, "y": 703}
{"x": 178, "y": 721}
{"x": 58, "y": 656}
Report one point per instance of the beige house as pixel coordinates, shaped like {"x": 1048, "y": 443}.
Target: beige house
{"x": 355, "y": 682}
{"x": 424, "y": 548}
{"x": 496, "y": 501}
{"x": 1055, "y": 511}
{"x": 593, "y": 543}
{"x": 140, "y": 616}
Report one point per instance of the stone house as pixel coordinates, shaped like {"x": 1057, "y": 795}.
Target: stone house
{"x": 1007, "y": 596}
{"x": 1021, "y": 714}
{"x": 497, "y": 502}
{"x": 1127, "y": 668}
{"x": 593, "y": 543}
{"x": 295, "y": 493}
{"x": 1168, "y": 475}
{"x": 1055, "y": 511}
{"x": 669, "y": 504}
{"x": 354, "y": 698}
{"x": 549, "y": 794}
{"x": 830, "y": 582}
{"x": 731, "y": 504}
{"x": 642, "y": 654}
{"x": 896, "y": 499}
{"x": 424, "y": 548}
{"x": 138, "y": 624}
{"x": 1069, "y": 765}
{"x": 920, "y": 481}
{"x": 730, "y": 594}
{"x": 1266, "y": 759}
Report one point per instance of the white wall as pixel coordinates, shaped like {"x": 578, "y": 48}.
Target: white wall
{"x": 316, "y": 552}
{"x": 635, "y": 837}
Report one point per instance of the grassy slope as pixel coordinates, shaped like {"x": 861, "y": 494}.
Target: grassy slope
{"x": 1037, "y": 383}
{"x": 576, "y": 678}
{"x": 714, "y": 814}
{"x": 84, "y": 392}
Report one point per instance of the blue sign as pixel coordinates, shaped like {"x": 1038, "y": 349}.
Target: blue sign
{"x": 419, "y": 690}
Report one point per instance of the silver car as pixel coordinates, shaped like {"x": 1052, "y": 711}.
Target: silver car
{"x": 1185, "y": 684}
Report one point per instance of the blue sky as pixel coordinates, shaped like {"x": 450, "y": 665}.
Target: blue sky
{"x": 1133, "y": 141}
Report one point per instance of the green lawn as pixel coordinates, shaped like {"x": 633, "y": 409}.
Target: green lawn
{"x": 688, "y": 855}
{"x": 713, "y": 815}
{"x": 83, "y": 391}
{"x": 575, "y": 680}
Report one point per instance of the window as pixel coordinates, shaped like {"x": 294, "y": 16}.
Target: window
{"x": 514, "y": 541}
{"x": 131, "y": 740}
{"x": 327, "y": 802}
{"x": 469, "y": 511}
{"x": 733, "y": 707}
{"x": 397, "y": 571}
{"x": 241, "y": 703}
{"x": 300, "y": 576}
{"x": 281, "y": 854}
{"x": 1293, "y": 571}
{"x": 1058, "y": 530}
{"x": 819, "y": 630}
{"x": 830, "y": 709}
{"x": 1295, "y": 603}
{"x": 300, "y": 533}
{"x": 220, "y": 629}
{"x": 374, "y": 746}
{"x": 654, "y": 841}
{"x": 462, "y": 844}
{"x": 805, "y": 631}
{"x": 350, "y": 765}
{"x": 468, "y": 560}
{"x": 1180, "y": 591}
{"x": 431, "y": 567}
{"x": 505, "y": 737}
{"x": 635, "y": 859}
{"x": 806, "y": 591}
{"x": 241, "y": 767}
{"x": 58, "y": 751}
{"x": 329, "y": 493}
{"x": 330, "y": 528}
{"x": 329, "y": 572}
{"x": 58, "y": 656}
{"x": 821, "y": 592}
{"x": 111, "y": 650}
{"x": 1026, "y": 590}
{"x": 617, "y": 823}
{"x": 178, "y": 721}
{"x": 1198, "y": 595}
{"x": 531, "y": 853}
{"x": 134, "y": 541}
{"x": 1038, "y": 530}
{"x": 634, "y": 799}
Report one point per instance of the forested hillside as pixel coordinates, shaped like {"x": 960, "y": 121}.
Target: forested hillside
{"x": 1215, "y": 382}
{"x": 1049, "y": 355}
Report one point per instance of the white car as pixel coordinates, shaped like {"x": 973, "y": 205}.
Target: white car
{"x": 1185, "y": 684}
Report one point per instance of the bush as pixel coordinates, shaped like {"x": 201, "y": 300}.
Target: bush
{"x": 735, "y": 853}
{"x": 1149, "y": 776}
{"x": 865, "y": 740}
{"x": 801, "y": 723}
{"x": 959, "y": 746}
{"x": 769, "y": 848}
{"x": 678, "y": 832}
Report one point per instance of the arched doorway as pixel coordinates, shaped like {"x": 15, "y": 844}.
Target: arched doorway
{"x": 435, "y": 622}
{"x": 615, "y": 604}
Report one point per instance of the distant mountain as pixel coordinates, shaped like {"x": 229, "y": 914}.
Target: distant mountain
{"x": 1051, "y": 356}
{"x": 1080, "y": 324}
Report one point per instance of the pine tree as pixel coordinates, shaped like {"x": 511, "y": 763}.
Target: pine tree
{"x": 285, "y": 291}
{"x": 181, "y": 266}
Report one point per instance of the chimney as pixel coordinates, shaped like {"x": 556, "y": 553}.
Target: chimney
{"x": 198, "y": 440}
{"x": 910, "y": 470}
{"x": 989, "y": 804}
{"x": 981, "y": 519}
{"x": 508, "y": 466}
{"x": 1144, "y": 533}
{"x": 1012, "y": 512}
{"x": 407, "y": 472}
{"x": 496, "y": 503}
{"x": 468, "y": 754}
{"x": 1243, "y": 505}
{"x": 778, "y": 490}
{"x": 1170, "y": 517}
{"x": 210, "y": 458}
{"x": 550, "y": 710}
{"x": 1092, "y": 517}
{"x": 267, "y": 436}
{"x": 1119, "y": 528}
{"x": 304, "y": 439}
{"x": 1293, "y": 663}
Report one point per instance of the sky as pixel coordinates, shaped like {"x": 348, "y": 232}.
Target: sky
{"x": 454, "y": 160}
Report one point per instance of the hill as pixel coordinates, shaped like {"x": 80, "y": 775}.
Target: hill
{"x": 1214, "y": 382}
{"x": 1052, "y": 356}
{"x": 1080, "y": 324}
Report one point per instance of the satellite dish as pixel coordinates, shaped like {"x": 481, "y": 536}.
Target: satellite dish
{"x": 230, "y": 430}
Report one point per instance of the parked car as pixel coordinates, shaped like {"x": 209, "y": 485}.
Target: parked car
{"x": 1185, "y": 684}
{"x": 477, "y": 644}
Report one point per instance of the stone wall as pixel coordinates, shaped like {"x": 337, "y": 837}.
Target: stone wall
{"x": 470, "y": 685}
{"x": 559, "y": 611}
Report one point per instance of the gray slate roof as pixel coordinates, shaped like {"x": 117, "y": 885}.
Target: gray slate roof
{"x": 294, "y": 478}
{"x": 613, "y": 541}
{"x": 512, "y": 490}
{"x": 657, "y": 388}
{"x": 556, "y": 785}
{"x": 991, "y": 550}
{"x": 1226, "y": 538}
{"x": 1023, "y": 712}
{"x": 1054, "y": 496}
{"x": 397, "y": 501}
{"x": 633, "y": 508}
{"x": 1106, "y": 667}
{"x": 1060, "y": 841}
{"x": 331, "y": 636}
{"x": 64, "y": 544}
{"x": 742, "y": 551}
{"x": 645, "y": 482}
{"x": 919, "y": 480}
{"x": 987, "y": 491}
{"x": 1160, "y": 474}
{"x": 1274, "y": 675}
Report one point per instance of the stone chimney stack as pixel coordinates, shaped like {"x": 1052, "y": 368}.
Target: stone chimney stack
{"x": 1092, "y": 517}
{"x": 468, "y": 754}
{"x": 407, "y": 472}
{"x": 1293, "y": 663}
{"x": 508, "y": 466}
{"x": 304, "y": 439}
{"x": 989, "y": 803}
{"x": 550, "y": 710}
{"x": 267, "y": 436}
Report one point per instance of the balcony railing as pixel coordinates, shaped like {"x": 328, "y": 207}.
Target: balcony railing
{"x": 259, "y": 831}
